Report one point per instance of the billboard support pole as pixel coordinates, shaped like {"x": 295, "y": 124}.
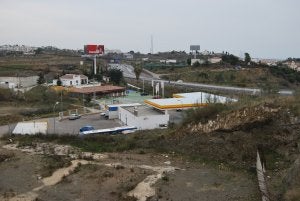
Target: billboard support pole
{"x": 95, "y": 64}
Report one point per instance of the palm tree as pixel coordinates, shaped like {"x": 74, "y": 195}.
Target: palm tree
{"x": 137, "y": 71}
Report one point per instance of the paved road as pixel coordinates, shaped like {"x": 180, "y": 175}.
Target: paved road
{"x": 128, "y": 72}
{"x": 72, "y": 126}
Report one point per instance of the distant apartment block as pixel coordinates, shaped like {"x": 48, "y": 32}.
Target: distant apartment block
{"x": 18, "y": 48}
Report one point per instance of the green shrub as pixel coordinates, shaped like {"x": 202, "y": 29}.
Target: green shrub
{"x": 203, "y": 114}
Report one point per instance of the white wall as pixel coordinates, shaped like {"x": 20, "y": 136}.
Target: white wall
{"x": 23, "y": 81}
{"x": 142, "y": 122}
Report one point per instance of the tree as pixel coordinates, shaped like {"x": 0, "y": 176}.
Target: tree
{"x": 98, "y": 77}
{"x": 87, "y": 99}
{"x": 247, "y": 58}
{"x": 58, "y": 83}
{"x": 116, "y": 75}
{"x": 189, "y": 61}
{"x": 196, "y": 64}
{"x": 230, "y": 58}
{"x": 138, "y": 68}
{"x": 41, "y": 79}
{"x": 38, "y": 50}
{"x": 137, "y": 71}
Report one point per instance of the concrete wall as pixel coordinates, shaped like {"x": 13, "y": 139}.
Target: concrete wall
{"x": 143, "y": 122}
{"x": 22, "y": 81}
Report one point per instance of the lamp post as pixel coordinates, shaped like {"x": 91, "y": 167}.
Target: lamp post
{"x": 54, "y": 116}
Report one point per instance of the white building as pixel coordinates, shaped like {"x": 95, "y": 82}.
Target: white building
{"x": 293, "y": 65}
{"x": 206, "y": 52}
{"x": 113, "y": 111}
{"x": 215, "y": 60}
{"x": 7, "y": 85}
{"x": 72, "y": 80}
{"x": 187, "y": 100}
{"x": 128, "y": 56}
{"x": 201, "y": 61}
{"x": 31, "y": 128}
{"x": 18, "y": 82}
{"x": 171, "y": 61}
{"x": 143, "y": 117}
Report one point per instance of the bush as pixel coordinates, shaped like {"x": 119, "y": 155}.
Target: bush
{"x": 40, "y": 94}
{"x": 202, "y": 115}
{"x": 286, "y": 73}
{"x": 6, "y": 94}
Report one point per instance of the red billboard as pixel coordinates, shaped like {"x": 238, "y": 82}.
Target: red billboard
{"x": 94, "y": 49}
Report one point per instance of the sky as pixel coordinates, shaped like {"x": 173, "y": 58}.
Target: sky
{"x": 263, "y": 28}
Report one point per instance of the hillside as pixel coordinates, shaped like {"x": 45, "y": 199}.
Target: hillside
{"x": 260, "y": 77}
{"x": 31, "y": 65}
{"x": 231, "y": 137}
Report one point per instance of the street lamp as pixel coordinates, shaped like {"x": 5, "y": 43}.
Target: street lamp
{"x": 54, "y": 116}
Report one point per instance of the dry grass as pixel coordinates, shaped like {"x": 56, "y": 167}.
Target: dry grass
{"x": 293, "y": 195}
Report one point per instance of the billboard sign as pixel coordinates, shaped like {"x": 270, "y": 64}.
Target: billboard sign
{"x": 94, "y": 49}
{"x": 195, "y": 47}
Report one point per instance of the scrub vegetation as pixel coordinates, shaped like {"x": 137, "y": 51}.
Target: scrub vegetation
{"x": 268, "y": 124}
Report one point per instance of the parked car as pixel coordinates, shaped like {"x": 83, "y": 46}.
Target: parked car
{"x": 86, "y": 128}
{"x": 74, "y": 116}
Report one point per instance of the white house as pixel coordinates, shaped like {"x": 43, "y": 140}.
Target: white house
{"x": 72, "y": 80}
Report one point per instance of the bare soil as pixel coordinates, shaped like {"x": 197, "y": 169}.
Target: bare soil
{"x": 119, "y": 176}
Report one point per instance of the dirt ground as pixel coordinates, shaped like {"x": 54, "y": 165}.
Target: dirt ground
{"x": 115, "y": 176}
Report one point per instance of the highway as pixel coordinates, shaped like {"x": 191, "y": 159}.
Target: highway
{"x": 128, "y": 72}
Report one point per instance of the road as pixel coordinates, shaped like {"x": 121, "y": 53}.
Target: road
{"x": 128, "y": 72}
{"x": 69, "y": 127}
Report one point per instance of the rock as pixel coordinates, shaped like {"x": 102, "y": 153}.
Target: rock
{"x": 167, "y": 162}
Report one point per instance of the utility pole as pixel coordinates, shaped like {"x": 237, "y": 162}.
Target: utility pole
{"x": 54, "y": 117}
{"x": 143, "y": 86}
{"x": 151, "y": 50}
{"x": 61, "y": 101}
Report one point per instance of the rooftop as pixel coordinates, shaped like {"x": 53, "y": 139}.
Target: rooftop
{"x": 97, "y": 89}
{"x": 131, "y": 97}
{"x": 143, "y": 110}
{"x": 71, "y": 76}
{"x": 187, "y": 100}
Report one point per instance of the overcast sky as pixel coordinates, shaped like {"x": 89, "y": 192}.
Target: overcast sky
{"x": 264, "y": 28}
